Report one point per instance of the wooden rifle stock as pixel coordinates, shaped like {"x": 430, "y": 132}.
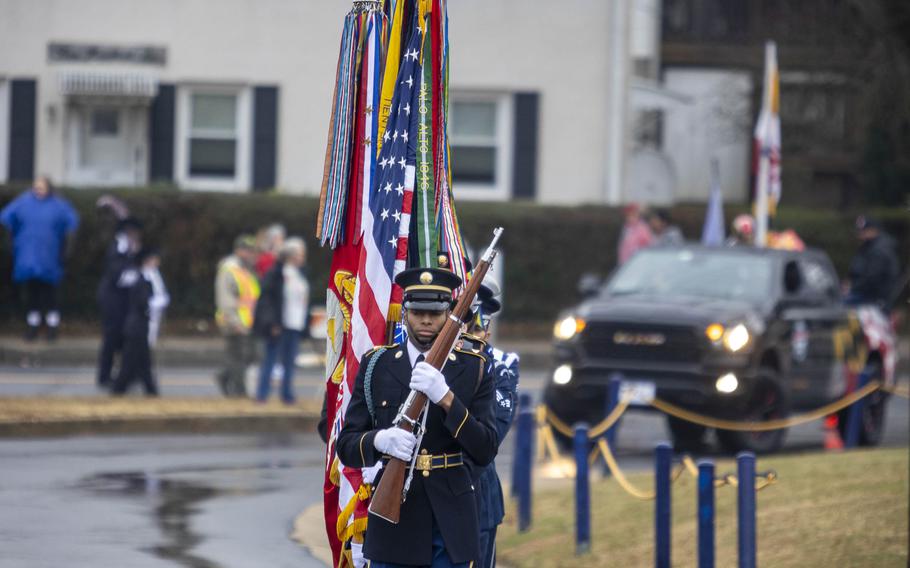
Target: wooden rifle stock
{"x": 389, "y": 494}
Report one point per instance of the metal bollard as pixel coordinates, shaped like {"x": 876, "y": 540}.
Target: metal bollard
{"x": 524, "y": 402}
{"x": 745, "y": 466}
{"x": 705, "y": 514}
{"x": 855, "y": 414}
{"x": 663, "y": 456}
{"x": 524, "y": 458}
{"x": 582, "y": 491}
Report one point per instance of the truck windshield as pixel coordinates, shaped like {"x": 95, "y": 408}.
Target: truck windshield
{"x": 708, "y": 274}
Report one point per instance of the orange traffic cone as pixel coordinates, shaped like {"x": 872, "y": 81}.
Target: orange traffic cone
{"x": 833, "y": 441}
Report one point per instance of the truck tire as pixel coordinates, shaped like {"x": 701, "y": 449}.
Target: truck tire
{"x": 766, "y": 402}
{"x": 687, "y": 437}
{"x": 873, "y": 418}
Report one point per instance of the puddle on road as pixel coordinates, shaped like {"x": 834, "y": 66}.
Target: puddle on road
{"x": 175, "y": 503}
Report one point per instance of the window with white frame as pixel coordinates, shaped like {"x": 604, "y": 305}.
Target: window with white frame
{"x": 213, "y": 138}
{"x": 480, "y": 135}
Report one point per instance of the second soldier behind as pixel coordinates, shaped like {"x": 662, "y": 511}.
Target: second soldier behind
{"x": 504, "y": 369}
{"x": 438, "y": 525}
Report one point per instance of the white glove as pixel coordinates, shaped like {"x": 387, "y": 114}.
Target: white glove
{"x": 357, "y": 555}
{"x": 428, "y": 380}
{"x": 395, "y": 442}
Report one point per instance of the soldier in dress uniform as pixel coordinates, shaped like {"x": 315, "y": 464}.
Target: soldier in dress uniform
{"x": 504, "y": 369}
{"x": 438, "y": 525}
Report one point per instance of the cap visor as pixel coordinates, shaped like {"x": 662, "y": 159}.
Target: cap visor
{"x": 427, "y": 305}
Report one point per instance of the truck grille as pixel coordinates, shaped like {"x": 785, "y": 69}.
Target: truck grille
{"x": 631, "y": 342}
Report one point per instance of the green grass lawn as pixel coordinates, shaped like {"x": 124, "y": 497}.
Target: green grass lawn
{"x": 827, "y": 510}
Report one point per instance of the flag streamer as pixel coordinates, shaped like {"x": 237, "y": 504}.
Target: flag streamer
{"x": 338, "y": 151}
{"x": 386, "y": 204}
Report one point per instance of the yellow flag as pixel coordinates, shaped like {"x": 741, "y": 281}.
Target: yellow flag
{"x": 390, "y": 74}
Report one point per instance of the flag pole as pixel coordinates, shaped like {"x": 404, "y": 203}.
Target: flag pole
{"x": 761, "y": 200}
{"x": 764, "y": 150}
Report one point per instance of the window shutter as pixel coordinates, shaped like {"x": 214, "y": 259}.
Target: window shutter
{"x": 23, "y": 95}
{"x": 161, "y": 134}
{"x": 265, "y": 137}
{"x": 524, "y": 173}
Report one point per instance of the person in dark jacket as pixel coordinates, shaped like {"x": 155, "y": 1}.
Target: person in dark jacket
{"x": 664, "y": 231}
{"x": 504, "y": 369}
{"x": 137, "y": 355}
{"x": 281, "y": 317}
{"x": 874, "y": 269}
{"x": 120, "y": 272}
{"x": 42, "y": 225}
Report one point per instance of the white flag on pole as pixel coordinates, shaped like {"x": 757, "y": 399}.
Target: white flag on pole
{"x": 768, "y": 147}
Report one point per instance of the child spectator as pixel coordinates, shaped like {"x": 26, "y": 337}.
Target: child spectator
{"x": 147, "y": 297}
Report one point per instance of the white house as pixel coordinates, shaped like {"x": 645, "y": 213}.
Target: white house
{"x": 234, "y": 95}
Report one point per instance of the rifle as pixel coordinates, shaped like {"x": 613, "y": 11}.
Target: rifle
{"x": 392, "y": 489}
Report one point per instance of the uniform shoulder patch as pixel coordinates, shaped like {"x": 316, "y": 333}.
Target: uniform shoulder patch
{"x": 473, "y": 353}
{"x": 473, "y": 339}
{"x": 377, "y": 348}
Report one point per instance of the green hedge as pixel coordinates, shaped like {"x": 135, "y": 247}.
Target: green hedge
{"x": 546, "y": 248}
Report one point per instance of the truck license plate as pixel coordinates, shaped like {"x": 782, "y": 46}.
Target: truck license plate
{"x": 639, "y": 393}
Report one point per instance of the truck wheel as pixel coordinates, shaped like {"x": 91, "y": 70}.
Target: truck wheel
{"x": 873, "y": 417}
{"x": 687, "y": 437}
{"x": 767, "y": 402}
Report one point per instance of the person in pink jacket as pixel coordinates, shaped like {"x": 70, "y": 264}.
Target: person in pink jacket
{"x": 635, "y": 233}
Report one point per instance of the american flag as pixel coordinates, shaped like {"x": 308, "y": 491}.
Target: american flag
{"x": 386, "y": 220}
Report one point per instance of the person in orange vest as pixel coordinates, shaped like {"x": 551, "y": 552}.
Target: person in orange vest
{"x": 236, "y": 293}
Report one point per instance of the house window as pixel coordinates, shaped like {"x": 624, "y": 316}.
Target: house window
{"x": 648, "y": 129}
{"x": 214, "y": 138}
{"x": 480, "y": 129}
{"x": 105, "y": 122}
{"x": 213, "y": 135}
{"x": 814, "y": 116}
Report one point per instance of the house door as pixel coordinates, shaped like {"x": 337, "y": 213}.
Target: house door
{"x": 108, "y": 145}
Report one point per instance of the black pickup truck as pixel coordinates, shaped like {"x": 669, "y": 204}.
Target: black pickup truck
{"x": 737, "y": 333}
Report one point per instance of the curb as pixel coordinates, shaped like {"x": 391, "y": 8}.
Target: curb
{"x": 85, "y": 352}
{"x": 215, "y": 424}
{"x": 309, "y": 532}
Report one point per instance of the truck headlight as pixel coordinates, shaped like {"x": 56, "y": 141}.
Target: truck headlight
{"x": 715, "y": 332}
{"x": 736, "y": 337}
{"x": 562, "y": 375}
{"x": 567, "y": 328}
{"x": 727, "y": 383}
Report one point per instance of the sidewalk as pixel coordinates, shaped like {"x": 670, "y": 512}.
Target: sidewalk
{"x": 192, "y": 351}
{"x": 83, "y": 350}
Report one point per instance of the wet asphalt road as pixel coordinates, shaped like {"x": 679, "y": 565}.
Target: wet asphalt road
{"x": 208, "y": 501}
{"x": 195, "y": 501}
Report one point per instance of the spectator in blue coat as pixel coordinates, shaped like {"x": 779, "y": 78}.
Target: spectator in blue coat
{"x": 42, "y": 225}
{"x": 504, "y": 369}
